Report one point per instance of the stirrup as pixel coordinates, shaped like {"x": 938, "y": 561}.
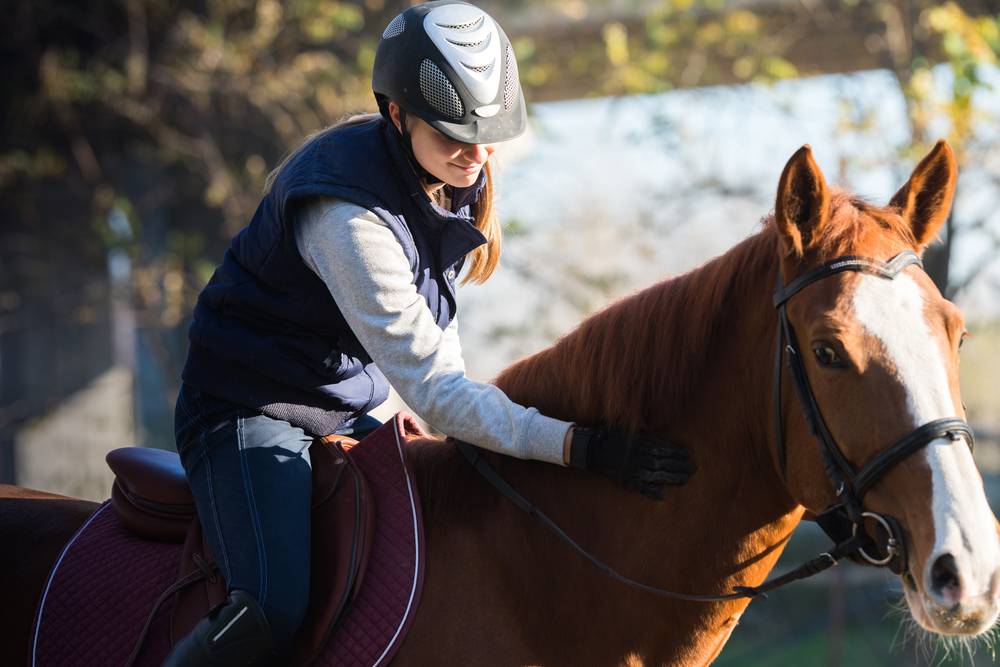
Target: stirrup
{"x": 236, "y": 632}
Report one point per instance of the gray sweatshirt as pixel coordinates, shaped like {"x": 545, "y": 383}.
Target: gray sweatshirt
{"x": 361, "y": 262}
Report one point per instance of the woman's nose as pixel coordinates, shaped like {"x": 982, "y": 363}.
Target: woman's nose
{"x": 480, "y": 152}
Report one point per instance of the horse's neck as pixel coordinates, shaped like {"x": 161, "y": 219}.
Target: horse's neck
{"x": 726, "y": 527}
{"x": 687, "y": 360}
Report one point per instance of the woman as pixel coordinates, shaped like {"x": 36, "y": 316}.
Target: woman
{"x": 343, "y": 283}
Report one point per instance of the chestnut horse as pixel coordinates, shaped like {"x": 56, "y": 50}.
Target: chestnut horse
{"x": 691, "y": 360}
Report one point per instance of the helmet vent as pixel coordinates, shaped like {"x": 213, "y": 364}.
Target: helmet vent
{"x": 464, "y": 27}
{"x": 478, "y": 68}
{"x": 439, "y": 92}
{"x": 511, "y": 85}
{"x": 395, "y": 27}
{"x": 469, "y": 45}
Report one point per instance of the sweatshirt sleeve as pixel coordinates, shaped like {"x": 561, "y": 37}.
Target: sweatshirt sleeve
{"x": 359, "y": 259}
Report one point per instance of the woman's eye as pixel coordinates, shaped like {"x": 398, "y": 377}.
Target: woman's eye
{"x": 826, "y": 355}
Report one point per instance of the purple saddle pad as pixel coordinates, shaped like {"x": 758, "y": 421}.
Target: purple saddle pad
{"x": 106, "y": 581}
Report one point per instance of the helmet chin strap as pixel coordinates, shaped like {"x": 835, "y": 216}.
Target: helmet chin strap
{"x": 405, "y": 141}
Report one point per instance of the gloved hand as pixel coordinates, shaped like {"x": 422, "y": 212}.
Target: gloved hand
{"x": 638, "y": 462}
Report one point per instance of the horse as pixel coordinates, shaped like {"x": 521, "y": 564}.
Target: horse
{"x": 691, "y": 360}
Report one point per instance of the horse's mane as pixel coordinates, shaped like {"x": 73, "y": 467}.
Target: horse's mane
{"x": 592, "y": 376}
{"x": 600, "y": 372}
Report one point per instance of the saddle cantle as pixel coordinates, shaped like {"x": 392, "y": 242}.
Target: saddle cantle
{"x": 141, "y": 567}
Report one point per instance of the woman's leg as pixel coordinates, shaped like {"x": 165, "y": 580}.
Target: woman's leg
{"x": 252, "y": 483}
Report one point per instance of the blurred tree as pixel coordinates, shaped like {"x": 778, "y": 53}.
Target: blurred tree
{"x": 168, "y": 114}
{"x": 171, "y": 114}
{"x": 913, "y": 37}
{"x": 610, "y": 48}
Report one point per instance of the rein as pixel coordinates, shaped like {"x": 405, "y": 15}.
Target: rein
{"x": 844, "y": 521}
{"x": 822, "y": 562}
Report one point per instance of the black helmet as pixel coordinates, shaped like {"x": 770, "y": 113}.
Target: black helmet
{"x": 450, "y": 64}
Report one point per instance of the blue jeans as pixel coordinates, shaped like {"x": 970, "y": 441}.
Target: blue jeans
{"x": 252, "y": 484}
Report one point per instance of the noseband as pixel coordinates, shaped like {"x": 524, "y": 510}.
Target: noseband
{"x": 845, "y": 520}
{"x": 846, "y": 517}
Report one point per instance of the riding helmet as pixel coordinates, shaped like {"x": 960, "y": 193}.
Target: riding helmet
{"x": 450, "y": 64}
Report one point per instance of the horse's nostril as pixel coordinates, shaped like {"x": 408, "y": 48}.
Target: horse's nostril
{"x": 945, "y": 580}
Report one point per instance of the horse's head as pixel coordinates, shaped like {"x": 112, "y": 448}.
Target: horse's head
{"x": 881, "y": 357}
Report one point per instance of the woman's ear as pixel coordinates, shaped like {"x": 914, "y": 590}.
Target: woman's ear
{"x": 394, "y": 115}
{"x": 803, "y": 203}
{"x": 925, "y": 201}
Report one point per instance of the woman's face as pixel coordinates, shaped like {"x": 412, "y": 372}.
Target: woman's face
{"x": 457, "y": 164}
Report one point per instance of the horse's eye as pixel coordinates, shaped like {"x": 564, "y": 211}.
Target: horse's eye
{"x": 826, "y": 355}
{"x": 961, "y": 340}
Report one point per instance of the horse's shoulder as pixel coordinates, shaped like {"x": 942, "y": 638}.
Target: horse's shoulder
{"x": 23, "y": 493}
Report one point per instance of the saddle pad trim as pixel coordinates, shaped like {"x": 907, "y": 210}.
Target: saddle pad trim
{"x": 52, "y": 576}
{"x": 404, "y": 623}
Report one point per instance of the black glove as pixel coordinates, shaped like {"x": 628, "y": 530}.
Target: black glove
{"x": 639, "y": 463}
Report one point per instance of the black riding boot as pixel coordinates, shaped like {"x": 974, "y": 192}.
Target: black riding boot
{"x": 234, "y": 633}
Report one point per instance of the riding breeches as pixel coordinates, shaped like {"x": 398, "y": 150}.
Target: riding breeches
{"x": 252, "y": 483}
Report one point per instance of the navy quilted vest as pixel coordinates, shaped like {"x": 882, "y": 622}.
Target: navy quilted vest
{"x": 266, "y": 330}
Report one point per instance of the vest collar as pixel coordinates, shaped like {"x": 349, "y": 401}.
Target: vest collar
{"x": 459, "y": 235}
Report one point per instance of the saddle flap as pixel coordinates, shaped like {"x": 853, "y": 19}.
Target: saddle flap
{"x": 342, "y": 530}
{"x": 193, "y": 601}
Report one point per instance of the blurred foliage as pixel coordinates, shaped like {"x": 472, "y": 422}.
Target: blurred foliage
{"x": 653, "y": 46}
{"x": 172, "y": 113}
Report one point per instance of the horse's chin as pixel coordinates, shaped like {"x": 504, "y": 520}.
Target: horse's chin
{"x": 969, "y": 619}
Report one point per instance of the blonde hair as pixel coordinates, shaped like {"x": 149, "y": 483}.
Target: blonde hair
{"x": 481, "y": 262}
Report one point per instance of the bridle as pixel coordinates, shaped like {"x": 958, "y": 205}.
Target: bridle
{"x": 844, "y": 520}
{"x": 846, "y": 517}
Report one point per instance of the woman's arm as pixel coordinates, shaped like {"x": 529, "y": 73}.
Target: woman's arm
{"x": 363, "y": 265}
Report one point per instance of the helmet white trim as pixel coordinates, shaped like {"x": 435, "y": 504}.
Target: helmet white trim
{"x": 469, "y": 41}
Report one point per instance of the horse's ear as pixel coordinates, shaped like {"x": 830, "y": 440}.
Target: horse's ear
{"x": 803, "y": 204}
{"x": 925, "y": 200}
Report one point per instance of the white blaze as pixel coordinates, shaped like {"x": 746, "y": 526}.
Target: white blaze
{"x": 893, "y": 312}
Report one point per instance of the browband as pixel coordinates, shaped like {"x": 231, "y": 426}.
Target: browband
{"x": 887, "y": 270}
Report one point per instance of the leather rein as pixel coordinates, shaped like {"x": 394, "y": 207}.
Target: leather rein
{"x": 845, "y": 520}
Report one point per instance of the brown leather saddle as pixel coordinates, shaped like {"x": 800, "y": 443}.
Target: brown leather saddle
{"x": 152, "y": 499}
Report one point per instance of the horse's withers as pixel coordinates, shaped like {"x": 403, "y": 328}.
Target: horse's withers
{"x": 882, "y": 360}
